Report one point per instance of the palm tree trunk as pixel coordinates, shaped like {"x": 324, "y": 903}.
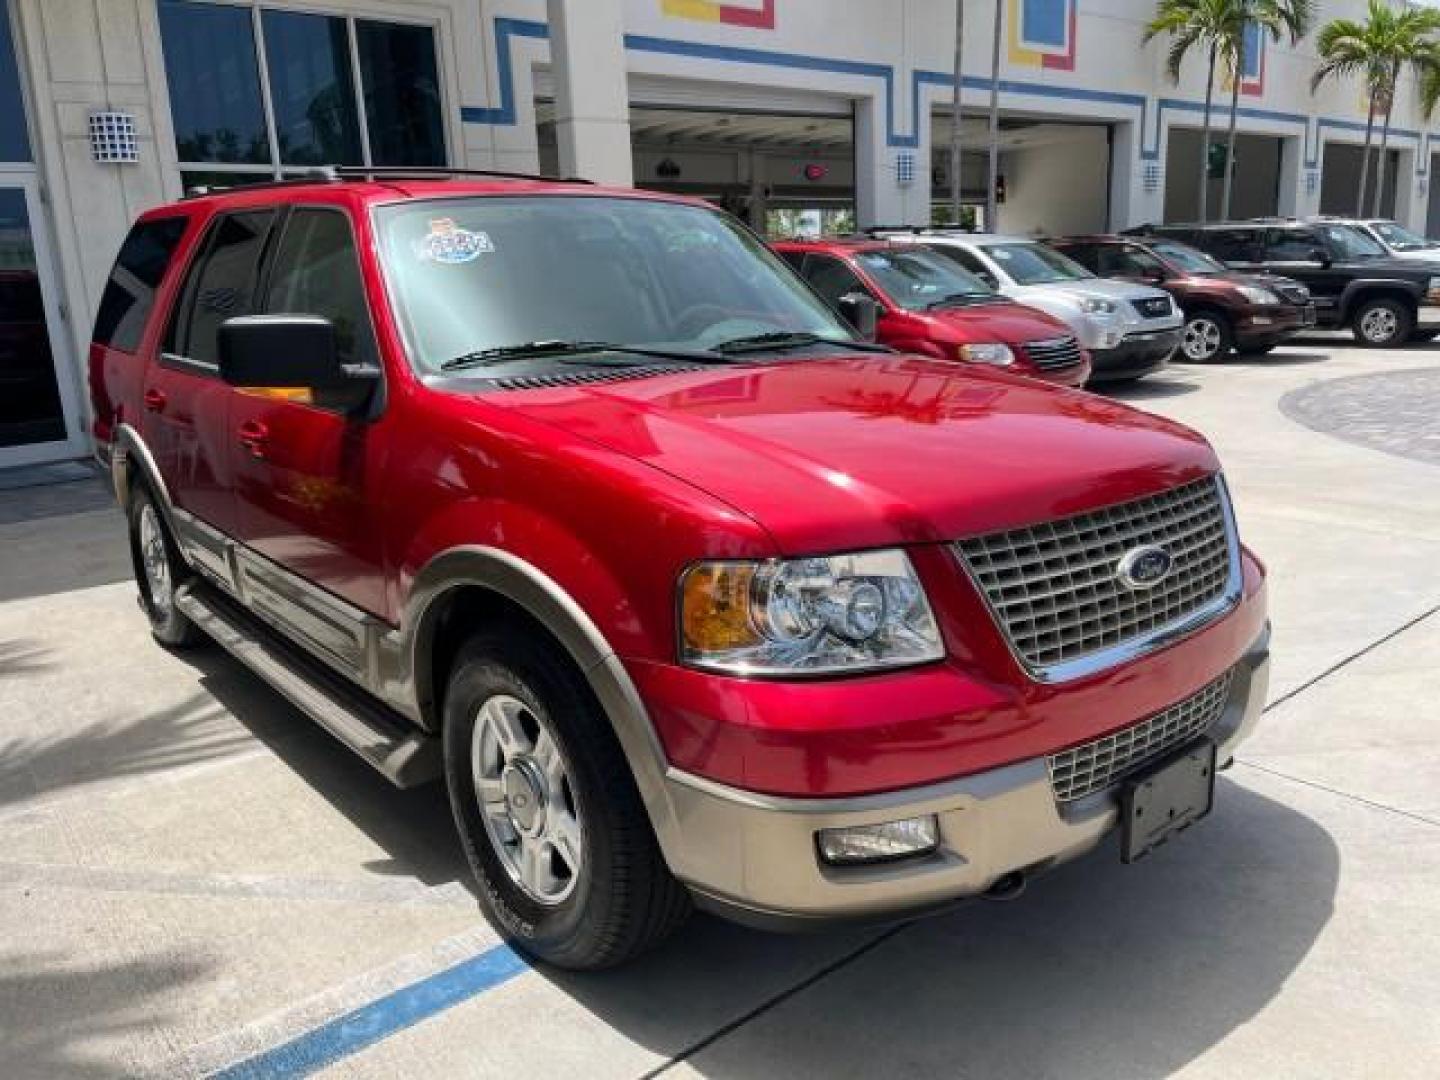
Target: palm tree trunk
{"x": 991, "y": 214}
{"x": 1205, "y": 138}
{"x": 955, "y": 193}
{"x": 1230, "y": 141}
{"x": 1384, "y": 144}
{"x": 1365, "y": 157}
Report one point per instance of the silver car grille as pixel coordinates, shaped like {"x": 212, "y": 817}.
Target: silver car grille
{"x": 1054, "y": 353}
{"x": 1055, "y": 589}
{"x": 1094, "y": 766}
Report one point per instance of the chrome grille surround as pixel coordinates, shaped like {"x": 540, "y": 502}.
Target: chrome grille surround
{"x": 1093, "y": 766}
{"x": 1053, "y": 353}
{"x": 1056, "y": 597}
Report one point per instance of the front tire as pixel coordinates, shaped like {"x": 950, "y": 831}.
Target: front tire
{"x": 159, "y": 571}
{"x": 1207, "y": 337}
{"x": 547, "y": 810}
{"x": 1382, "y": 324}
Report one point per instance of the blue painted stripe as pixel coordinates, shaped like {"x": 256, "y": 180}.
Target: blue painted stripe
{"x": 367, "y": 1025}
{"x": 505, "y": 29}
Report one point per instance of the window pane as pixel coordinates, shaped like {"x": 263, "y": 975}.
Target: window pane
{"x": 225, "y": 286}
{"x": 402, "y": 94}
{"x": 30, "y": 409}
{"x": 317, "y": 272}
{"x": 130, "y": 292}
{"x": 214, "y": 82}
{"x": 312, "y": 89}
{"x": 14, "y": 143}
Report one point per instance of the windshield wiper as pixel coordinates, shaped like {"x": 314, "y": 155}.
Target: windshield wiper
{"x": 779, "y": 341}
{"x": 500, "y": 354}
{"x": 958, "y": 299}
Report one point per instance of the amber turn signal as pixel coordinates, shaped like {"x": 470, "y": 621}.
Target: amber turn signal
{"x": 715, "y": 607}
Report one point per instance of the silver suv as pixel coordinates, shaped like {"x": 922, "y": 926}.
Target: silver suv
{"x": 1130, "y": 330}
{"x": 1398, "y": 241}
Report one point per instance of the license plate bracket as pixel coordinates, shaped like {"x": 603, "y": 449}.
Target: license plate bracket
{"x": 1166, "y": 799}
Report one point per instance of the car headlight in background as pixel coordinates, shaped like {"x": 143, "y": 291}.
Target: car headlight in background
{"x": 989, "y": 352}
{"x": 1432, "y": 291}
{"x": 1257, "y": 295}
{"x": 806, "y": 616}
{"x": 1094, "y": 305}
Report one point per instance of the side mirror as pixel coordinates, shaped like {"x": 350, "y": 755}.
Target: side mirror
{"x": 861, "y": 312}
{"x": 280, "y": 351}
{"x": 1321, "y": 256}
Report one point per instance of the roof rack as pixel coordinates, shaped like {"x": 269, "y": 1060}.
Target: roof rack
{"x": 430, "y": 172}
{"x": 331, "y": 174}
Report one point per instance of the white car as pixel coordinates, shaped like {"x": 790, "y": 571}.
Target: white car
{"x": 1129, "y": 330}
{"x": 1396, "y": 239}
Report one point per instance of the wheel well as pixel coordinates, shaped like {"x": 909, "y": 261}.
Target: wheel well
{"x": 1364, "y": 296}
{"x": 453, "y": 618}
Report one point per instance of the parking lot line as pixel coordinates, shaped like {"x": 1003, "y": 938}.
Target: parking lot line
{"x": 395, "y": 1011}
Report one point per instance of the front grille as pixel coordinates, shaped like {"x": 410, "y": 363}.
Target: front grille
{"x": 1094, "y": 766}
{"x": 1156, "y": 307}
{"x": 1054, "y": 353}
{"x": 1055, "y": 590}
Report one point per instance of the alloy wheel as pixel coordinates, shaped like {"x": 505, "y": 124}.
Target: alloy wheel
{"x": 1379, "y": 324}
{"x": 156, "y": 561}
{"x": 1201, "y": 340}
{"x": 526, "y": 799}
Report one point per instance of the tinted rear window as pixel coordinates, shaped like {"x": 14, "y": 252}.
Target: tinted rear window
{"x": 130, "y": 293}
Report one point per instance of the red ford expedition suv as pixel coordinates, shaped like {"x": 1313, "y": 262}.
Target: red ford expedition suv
{"x": 580, "y": 499}
{"x": 931, "y": 307}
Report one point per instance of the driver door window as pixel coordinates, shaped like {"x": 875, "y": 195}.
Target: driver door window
{"x": 832, "y": 279}
{"x": 1292, "y": 246}
{"x": 968, "y": 262}
{"x": 317, "y": 272}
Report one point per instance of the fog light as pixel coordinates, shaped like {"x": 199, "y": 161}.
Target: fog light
{"x": 877, "y": 843}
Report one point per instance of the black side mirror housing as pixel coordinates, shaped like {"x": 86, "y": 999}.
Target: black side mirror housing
{"x": 1321, "y": 256}
{"x": 280, "y": 351}
{"x": 861, "y": 312}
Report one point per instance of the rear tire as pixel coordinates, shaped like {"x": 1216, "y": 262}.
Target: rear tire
{"x": 548, "y": 812}
{"x": 159, "y": 571}
{"x": 1382, "y": 323}
{"x": 1207, "y": 337}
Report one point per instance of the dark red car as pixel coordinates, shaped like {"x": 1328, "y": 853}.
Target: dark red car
{"x": 579, "y": 499}
{"x": 1224, "y": 309}
{"x": 930, "y": 306}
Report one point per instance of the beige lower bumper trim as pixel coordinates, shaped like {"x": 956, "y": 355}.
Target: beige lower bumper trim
{"x": 757, "y": 853}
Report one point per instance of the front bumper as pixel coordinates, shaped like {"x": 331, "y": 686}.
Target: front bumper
{"x": 753, "y": 857}
{"x": 1137, "y": 354}
{"x": 1272, "y": 325}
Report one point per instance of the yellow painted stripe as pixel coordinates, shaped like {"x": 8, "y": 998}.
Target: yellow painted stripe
{"x": 702, "y": 10}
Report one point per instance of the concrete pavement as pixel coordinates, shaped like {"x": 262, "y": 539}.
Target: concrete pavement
{"x": 192, "y": 875}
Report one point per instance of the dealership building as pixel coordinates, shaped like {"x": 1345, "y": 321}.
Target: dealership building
{"x": 782, "y": 111}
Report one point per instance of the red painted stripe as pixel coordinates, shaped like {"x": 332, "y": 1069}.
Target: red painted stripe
{"x": 762, "y": 18}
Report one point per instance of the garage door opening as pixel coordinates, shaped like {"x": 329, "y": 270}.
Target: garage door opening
{"x": 1255, "y": 189}
{"x": 1054, "y": 175}
{"x": 1340, "y": 179}
{"x": 786, "y": 174}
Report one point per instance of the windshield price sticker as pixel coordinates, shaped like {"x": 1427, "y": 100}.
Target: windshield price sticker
{"x": 450, "y": 245}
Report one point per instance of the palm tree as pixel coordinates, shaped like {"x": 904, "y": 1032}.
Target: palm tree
{"x": 1191, "y": 23}
{"x": 955, "y": 193}
{"x": 1378, "y": 50}
{"x": 1275, "y": 19}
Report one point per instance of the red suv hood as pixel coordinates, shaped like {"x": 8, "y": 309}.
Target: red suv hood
{"x": 852, "y": 453}
{"x": 1009, "y": 323}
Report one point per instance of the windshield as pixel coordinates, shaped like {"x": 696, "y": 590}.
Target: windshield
{"x": 918, "y": 279}
{"x": 1349, "y": 242}
{"x": 1191, "y": 260}
{"x": 1035, "y": 264}
{"x": 486, "y": 272}
{"x": 1399, "y": 237}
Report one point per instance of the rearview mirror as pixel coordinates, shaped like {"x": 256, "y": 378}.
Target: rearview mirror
{"x": 861, "y": 312}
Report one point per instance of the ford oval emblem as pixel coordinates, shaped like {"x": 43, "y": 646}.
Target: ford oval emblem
{"x": 1144, "y": 567}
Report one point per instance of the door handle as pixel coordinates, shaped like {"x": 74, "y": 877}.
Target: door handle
{"x": 253, "y": 436}
{"x": 155, "y": 399}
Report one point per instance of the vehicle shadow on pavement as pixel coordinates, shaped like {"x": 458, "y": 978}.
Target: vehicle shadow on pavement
{"x": 1098, "y": 971}
{"x": 1275, "y": 359}
{"x": 1152, "y": 388}
{"x": 414, "y": 827}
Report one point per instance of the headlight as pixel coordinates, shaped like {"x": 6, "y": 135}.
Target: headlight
{"x": 806, "y": 616}
{"x": 1434, "y": 285}
{"x": 1257, "y": 295}
{"x": 1093, "y": 305}
{"x": 990, "y": 352}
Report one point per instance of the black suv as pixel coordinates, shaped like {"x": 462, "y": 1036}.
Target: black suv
{"x": 1385, "y": 301}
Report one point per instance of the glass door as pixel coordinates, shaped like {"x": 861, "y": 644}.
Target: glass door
{"x": 38, "y": 413}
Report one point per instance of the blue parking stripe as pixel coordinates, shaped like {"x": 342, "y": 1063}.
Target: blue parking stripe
{"x": 381, "y": 1018}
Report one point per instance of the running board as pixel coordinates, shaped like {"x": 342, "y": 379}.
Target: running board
{"x": 405, "y": 756}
